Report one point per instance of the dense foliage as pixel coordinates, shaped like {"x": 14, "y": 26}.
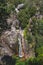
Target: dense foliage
{"x": 34, "y": 33}
{"x": 15, "y": 2}
{"x": 24, "y": 16}
{"x": 8, "y": 60}
{"x": 3, "y": 15}
{"x": 31, "y": 21}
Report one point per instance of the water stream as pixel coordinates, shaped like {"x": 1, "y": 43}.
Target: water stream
{"x": 20, "y": 47}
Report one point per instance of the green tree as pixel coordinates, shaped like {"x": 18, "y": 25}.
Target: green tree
{"x": 20, "y": 63}
{"x": 3, "y": 15}
{"x": 25, "y": 14}
{"x": 16, "y": 2}
{"x": 23, "y": 18}
{"x": 35, "y": 61}
{"x": 8, "y": 60}
{"x": 34, "y": 32}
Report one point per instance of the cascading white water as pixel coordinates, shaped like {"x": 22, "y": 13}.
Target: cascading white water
{"x": 20, "y": 47}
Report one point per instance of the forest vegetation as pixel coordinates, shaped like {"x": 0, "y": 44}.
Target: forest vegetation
{"x": 31, "y": 22}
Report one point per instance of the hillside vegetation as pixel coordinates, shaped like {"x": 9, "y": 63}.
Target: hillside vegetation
{"x": 29, "y": 20}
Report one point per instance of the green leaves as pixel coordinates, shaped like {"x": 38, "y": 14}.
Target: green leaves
{"x": 25, "y": 14}
{"x": 23, "y": 18}
{"x": 16, "y": 2}
{"x": 3, "y": 15}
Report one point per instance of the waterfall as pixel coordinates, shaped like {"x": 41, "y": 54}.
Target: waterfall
{"x": 20, "y": 47}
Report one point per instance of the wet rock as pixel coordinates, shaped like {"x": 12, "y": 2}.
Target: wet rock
{"x": 17, "y": 11}
{"x": 15, "y": 24}
{"x": 19, "y": 7}
{"x": 13, "y": 21}
{"x": 9, "y": 42}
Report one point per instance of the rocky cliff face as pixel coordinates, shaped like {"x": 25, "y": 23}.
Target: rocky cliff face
{"x": 9, "y": 40}
{"x": 9, "y": 43}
